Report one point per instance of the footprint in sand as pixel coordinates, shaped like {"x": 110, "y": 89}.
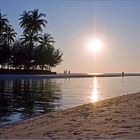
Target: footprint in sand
{"x": 118, "y": 133}
{"x": 108, "y": 119}
{"x": 126, "y": 126}
{"x": 76, "y": 133}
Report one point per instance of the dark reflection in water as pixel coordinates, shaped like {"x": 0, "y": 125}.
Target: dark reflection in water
{"x": 21, "y": 99}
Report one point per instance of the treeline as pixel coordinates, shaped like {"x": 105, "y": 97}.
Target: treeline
{"x": 34, "y": 50}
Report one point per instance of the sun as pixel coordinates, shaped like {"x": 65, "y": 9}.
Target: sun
{"x": 95, "y": 44}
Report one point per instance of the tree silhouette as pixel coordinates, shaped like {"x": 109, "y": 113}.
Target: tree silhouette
{"x": 33, "y": 50}
{"x": 32, "y": 23}
{"x": 7, "y": 37}
{"x": 46, "y": 54}
{"x": 3, "y": 24}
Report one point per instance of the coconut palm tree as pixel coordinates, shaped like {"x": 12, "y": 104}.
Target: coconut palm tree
{"x": 3, "y": 24}
{"x": 47, "y": 40}
{"x": 32, "y": 23}
{"x": 9, "y": 34}
{"x": 7, "y": 37}
{"x": 24, "y": 21}
{"x": 3, "y": 21}
{"x": 40, "y": 52}
{"x": 46, "y": 55}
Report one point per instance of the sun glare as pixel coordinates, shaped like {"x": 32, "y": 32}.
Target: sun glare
{"x": 95, "y": 45}
{"x": 94, "y": 94}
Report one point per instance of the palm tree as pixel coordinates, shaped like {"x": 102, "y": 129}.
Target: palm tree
{"x": 32, "y": 23}
{"x": 46, "y": 55}
{"x": 47, "y": 40}
{"x": 40, "y": 52}
{"x": 26, "y": 38}
{"x": 3, "y": 20}
{"x": 9, "y": 34}
{"x": 24, "y": 21}
{"x": 3, "y": 24}
{"x": 7, "y": 37}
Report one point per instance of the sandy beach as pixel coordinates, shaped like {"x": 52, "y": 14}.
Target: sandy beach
{"x": 112, "y": 118}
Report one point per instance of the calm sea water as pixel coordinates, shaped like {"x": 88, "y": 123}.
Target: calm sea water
{"x": 23, "y": 98}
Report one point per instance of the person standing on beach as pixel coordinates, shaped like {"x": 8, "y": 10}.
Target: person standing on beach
{"x": 65, "y": 72}
{"x": 122, "y": 74}
{"x": 69, "y": 72}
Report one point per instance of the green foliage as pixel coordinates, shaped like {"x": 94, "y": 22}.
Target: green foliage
{"x": 33, "y": 50}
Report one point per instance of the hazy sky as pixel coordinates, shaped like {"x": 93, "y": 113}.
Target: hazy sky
{"x": 73, "y": 23}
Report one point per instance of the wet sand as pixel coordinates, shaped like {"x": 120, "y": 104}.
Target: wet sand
{"x": 112, "y": 118}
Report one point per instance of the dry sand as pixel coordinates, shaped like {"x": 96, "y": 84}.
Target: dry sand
{"x": 112, "y": 118}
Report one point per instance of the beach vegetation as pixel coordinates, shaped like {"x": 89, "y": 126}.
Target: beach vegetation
{"x": 34, "y": 50}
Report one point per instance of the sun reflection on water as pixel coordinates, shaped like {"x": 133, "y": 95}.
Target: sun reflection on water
{"x": 94, "y": 94}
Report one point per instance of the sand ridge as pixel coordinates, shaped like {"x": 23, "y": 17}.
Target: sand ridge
{"x": 112, "y": 118}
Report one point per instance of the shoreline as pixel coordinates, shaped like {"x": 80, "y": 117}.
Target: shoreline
{"x": 117, "y": 117}
{"x": 25, "y": 72}
{"x": 54, "y": 75}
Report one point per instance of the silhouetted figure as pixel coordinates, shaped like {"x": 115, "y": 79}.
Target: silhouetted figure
{"x": 122, "y": 74}
{"x": 69, "y": 72}
{"x": 65, "y": 72}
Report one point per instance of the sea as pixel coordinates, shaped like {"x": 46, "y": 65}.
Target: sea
{"x": 26, "y": 96}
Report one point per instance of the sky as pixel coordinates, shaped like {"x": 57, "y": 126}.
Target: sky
{"x": 73, "y": 23}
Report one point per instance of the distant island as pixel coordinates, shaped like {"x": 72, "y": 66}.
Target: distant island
{"x": 33, "y": 52}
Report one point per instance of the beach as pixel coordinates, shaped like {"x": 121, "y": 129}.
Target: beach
{"x": 118, "y": 117}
